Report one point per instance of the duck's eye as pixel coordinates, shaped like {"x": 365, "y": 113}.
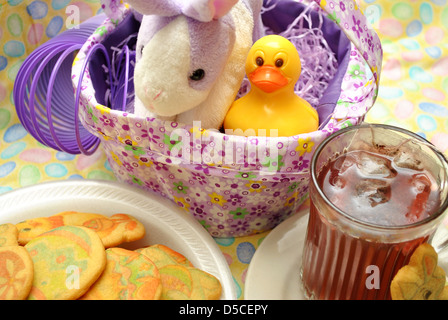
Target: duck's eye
{"x": 278, "y": 63}
{"x": 197, "y": 75}
{"x": 259, "y": 61}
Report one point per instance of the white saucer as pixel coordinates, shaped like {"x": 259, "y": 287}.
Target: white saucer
{"x": 273, "y": 273}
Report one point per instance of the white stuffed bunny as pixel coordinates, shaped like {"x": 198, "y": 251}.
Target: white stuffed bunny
{"x": 190, "y": 57}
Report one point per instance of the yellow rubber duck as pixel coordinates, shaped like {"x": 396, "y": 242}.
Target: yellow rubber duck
{"x": 273, "y": 67}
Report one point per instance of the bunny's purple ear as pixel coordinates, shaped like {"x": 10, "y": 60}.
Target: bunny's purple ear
{"x": 202, "y": 10}
{"x": 207, "y": 10}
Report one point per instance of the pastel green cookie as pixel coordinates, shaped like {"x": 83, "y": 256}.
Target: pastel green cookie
{"x": 129, "y": 275}
{"x": 67, "y": 261}
{"x": 188, "y": 283}
{"x": 162, "y": 256}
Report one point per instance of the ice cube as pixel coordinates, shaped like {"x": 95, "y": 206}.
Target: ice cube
{"x": 420, "y": 205}
{"x": 344, "y": 162}
{"x": 337, "y": 181}
{"x": 375, "y": 191}
{"x": 406, "y": 158}
{"x": 421, "y": 183}
{"x": 336, "y": 176}
{"x": 370, "y": 164}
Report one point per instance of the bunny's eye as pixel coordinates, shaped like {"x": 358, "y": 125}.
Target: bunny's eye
{"x": 197, "y": 75}
{"x": 141, "y": 49}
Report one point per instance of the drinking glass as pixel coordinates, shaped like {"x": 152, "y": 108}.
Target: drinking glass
{"x": 356, "y": 243}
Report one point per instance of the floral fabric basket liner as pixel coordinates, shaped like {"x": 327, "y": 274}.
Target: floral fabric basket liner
{"x": 266, "y": 180}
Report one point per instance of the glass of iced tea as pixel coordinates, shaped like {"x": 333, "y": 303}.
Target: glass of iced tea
{"x": 376, "y": 193}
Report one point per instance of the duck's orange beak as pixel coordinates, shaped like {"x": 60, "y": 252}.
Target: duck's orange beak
{"x": 268, "y": 78}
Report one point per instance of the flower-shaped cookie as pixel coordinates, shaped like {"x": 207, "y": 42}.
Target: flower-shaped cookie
{"x": 421, "y": 279}
{"x": 16, "y": 273}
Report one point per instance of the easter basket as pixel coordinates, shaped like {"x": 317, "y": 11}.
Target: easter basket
{"x": 233, "y": 185}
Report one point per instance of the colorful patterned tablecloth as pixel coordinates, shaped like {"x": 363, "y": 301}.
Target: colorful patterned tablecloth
{"x": 413, "y": 92}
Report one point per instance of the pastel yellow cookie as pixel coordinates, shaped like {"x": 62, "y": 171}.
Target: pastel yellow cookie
{"x": 188, "y": 283}
{"x": 8, "y": 235}
{"x": 67, "y": 261}
{"x": 129, "y": 275}
{"x": 421, "y": 279}
{"x": 31, "y": 228}
{"x": 162, "y": 256}
{"x": 112, "y": 230}
{"x": 16, "y": 273}
{"x": 180, "y": 279}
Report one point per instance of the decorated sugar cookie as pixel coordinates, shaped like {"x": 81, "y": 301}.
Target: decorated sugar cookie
{"x": 16, "y": 273}
{"x": 31, "y": 228}
{"x": 421, "y": 279}
{"x": 162, "y": 256}
{"x": 112, "y": 230}
{"x": 188, "y": 283}
{"x": 67, "y": 261}
{"x": 129, "y": 275}
{"x": 180, "y": 279}
{"x": 8, "y": 235}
